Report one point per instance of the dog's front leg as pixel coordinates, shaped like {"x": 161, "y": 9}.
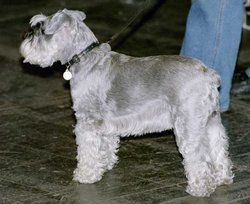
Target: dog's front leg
{"x": 89, "y": 161}
{"x": 95, "y": 152}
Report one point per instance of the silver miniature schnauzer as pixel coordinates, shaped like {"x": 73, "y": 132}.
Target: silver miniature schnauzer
{"x": 115, "y": 95}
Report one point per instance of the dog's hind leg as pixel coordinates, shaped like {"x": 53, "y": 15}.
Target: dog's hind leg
{"x": 95, "y": 153}
{"x": 218, "y": 144}
{"x": 194, "y": 147}
{"x": 194, "y": 143}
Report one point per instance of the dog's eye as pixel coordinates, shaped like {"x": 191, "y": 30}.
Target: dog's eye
{"x": 38, "y": 25}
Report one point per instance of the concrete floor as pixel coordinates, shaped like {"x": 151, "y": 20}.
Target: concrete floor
{"x": 37, "y": 146}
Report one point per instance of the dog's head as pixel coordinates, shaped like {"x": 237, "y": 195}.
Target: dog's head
{"x": 56, "y": 38}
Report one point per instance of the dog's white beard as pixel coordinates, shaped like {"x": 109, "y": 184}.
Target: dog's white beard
{"x": 35, "y": 52}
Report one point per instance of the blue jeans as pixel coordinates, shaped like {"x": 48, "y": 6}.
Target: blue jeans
{"x": 213, "y": 34}
{"x": 248, "y": 72}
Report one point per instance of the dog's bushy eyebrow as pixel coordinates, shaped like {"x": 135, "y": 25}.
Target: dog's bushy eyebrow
{"x": 37, "y": 18}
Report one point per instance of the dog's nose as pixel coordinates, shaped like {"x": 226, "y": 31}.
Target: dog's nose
{"x": 27, "y": 33}
{"x": 33, "y": 29}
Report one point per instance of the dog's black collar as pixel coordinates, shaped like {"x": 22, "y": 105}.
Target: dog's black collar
{"x": 76, "y": 58}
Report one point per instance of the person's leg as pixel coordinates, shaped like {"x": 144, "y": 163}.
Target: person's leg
{"x": 248, "y": 72}
{"x": 213, "y": 36}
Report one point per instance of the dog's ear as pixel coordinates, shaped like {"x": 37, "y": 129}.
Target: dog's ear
{"x": 55, "y": 22}
{"x": 79, "y": 15}
{"x": 37, "y": 19}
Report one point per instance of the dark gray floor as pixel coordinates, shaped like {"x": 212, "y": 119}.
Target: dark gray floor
{"x": 37, "y": 146}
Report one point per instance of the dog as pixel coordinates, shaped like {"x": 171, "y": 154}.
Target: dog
{"x": 115, "y": 95}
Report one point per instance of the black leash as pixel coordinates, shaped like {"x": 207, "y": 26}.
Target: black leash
{"x": 135, "y": 22}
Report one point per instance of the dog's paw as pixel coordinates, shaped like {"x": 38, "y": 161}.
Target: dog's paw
{"x": 202, "y": 187}
{"x": 83, "y": 176}
{"x": 223, "y": 174}
{"x": 225, "y": 179}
